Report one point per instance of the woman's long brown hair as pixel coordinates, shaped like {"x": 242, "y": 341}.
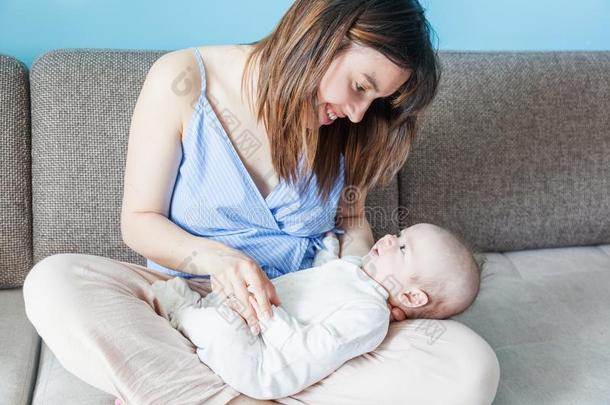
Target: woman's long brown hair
{"x": 292, "y": 61}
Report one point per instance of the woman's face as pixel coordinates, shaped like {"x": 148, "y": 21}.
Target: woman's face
{"x": 354, "y": 79}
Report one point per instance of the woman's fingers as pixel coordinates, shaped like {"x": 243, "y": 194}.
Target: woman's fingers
{"x": 245, "y": 308}
{"x": 247, "y": 283}
{"x": 272, "y": 294}
{"x": 399, "y": 315}
{"x": 257, "y": 309}
{"x": 260, "y": 295}
{"x": 396, "y": 313}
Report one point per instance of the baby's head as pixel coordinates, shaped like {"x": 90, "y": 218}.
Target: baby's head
{"x": 428, "y": 271}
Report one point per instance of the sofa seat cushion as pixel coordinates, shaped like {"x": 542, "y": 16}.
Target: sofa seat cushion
{"x": 19, "y": 344}
{"x": 546, "y": 313}
{"x": 55, "y": 385}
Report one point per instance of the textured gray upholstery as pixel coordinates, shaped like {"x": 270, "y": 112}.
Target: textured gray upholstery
{"x": 515, "y": 151}
{"x": 19, "y": 346}
{"x": 546, "y": 313}
{"x": 82, "y": 103}
{"x": 55, "y": 385}
{"x": 15, "y": 181}
{"x": 382, "y": 210}
{"x": 513, "y": 155}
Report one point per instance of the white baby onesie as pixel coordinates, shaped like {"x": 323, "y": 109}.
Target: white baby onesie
{"x": 328, "y": 315}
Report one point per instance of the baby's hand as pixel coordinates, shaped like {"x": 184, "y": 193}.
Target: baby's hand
{"x": 331, "y": 242}
{"x": 330, "y": 250}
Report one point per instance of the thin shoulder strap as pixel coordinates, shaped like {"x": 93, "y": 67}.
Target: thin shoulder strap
{"x": 201, "y": 68}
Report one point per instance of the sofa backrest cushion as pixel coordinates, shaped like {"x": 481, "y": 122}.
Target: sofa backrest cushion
{"x": 514, "y": 153}
{"x": 82, "y": 101}
{"x": 15, "y": 182}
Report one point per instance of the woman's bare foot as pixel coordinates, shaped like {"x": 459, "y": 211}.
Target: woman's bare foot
{"x": 245, "y": 400}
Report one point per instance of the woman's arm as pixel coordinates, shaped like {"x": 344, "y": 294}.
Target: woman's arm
{"x": 153, "y": 158}
{"x": 358, "y": 237}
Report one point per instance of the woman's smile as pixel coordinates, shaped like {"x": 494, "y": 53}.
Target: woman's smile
{"x": 326, "y": 114}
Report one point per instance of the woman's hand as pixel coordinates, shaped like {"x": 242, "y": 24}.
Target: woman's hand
{"x": 396, "y": 313}
{"x": 238, "y": 274}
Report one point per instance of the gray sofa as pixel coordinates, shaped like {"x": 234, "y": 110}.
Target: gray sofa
{"x": 514, "y": 155}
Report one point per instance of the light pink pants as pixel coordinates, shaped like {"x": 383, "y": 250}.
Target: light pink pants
{"x": 100, "y": 318}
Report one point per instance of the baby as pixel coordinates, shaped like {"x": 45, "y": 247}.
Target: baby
{"x": 330, "y": 313}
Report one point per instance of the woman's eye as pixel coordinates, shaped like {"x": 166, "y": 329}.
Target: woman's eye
{"x": 360, "y": 88}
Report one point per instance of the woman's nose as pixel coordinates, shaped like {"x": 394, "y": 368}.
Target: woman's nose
{"x": 357, "y": 111}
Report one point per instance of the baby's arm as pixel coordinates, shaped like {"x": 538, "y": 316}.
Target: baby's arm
{"x": 330, "y": 250}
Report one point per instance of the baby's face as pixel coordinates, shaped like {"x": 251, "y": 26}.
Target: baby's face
{"x": 394, "y": 259}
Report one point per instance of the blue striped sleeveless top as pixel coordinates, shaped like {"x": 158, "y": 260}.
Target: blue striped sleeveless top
{"x": 214, "y": 197}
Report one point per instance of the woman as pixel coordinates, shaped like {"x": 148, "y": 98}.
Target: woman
{"x": 229, "y": 197}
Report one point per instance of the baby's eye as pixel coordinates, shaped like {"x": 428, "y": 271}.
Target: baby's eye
{"x": 401, "y": 247}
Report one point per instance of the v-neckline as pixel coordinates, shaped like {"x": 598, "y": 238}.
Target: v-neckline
{"x": 227, "y": 139}
{"x": 244, "y": 170}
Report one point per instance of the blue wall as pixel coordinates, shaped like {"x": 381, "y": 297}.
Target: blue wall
{"x": 29, "y": 28}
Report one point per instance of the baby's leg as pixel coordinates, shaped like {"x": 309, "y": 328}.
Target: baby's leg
{"x": 251, "y": 364}
{"x": 174, "y": 295}
{"x": 213, "y": 323}
{"x": 199, "y": 319}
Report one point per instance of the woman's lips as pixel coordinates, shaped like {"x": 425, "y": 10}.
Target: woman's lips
{"x": 326, "y": 119}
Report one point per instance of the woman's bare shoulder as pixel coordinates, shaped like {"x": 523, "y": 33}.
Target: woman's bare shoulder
{"x": 221, "y": 64}
{"x": 182, "y": 64}
{"x": 179, "y": 71}
{"x": 213, "y": 55}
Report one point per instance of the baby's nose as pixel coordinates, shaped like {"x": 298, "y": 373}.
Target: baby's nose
{"x": 387, "y": 241}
